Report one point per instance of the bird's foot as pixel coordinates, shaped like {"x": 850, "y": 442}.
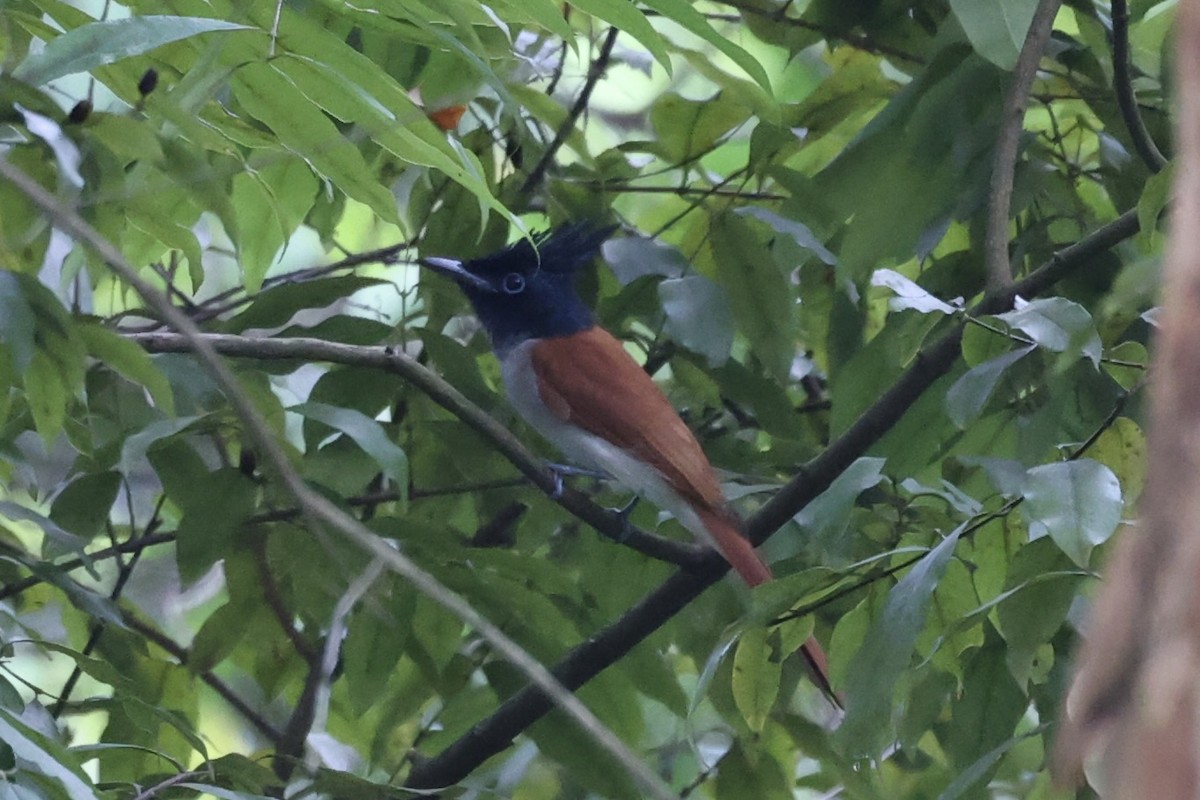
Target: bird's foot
{"x": 623, "y": 513}
{"x": 561, "y": 471}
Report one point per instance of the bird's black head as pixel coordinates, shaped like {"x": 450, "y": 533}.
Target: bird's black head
{"x": 527, "y": 290}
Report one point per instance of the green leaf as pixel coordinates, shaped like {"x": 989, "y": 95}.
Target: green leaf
{"x": 1077, "y": 503}
{"x": 1039, "y": 590}
{"x": 130, "y": 362}
{"x": 83, "y": 506}
{"x": 275, "y": 101}
{"x": 100, "y": 43}
{"x": 693, "y": 21}
{"x": 218, "y": 636}
{"x": 798, "y": 231}
{"x": 135, "y": 447}
{"x": 977, "y": 771}
{"x": 275, "y": 306}
{"x": 996, "y": 28}
{"x": 689, "y": 128}
{"x": 757, "y": 666}
{"x": 1122, "y": 448}
{"x": 368, "y": 434}
{"x": 1154, "y": 198}
{"x": 1058, "y": 325}
{"x": 967, "y": 397}
{"x": 698, "y": 316}
{"x": 826, "y": 519}
{"x": 45, "y": 756}
{"x": 215, "y": 507}
{"x": 58, "y": 540}
{"x": 633, "y": 257}
{"x": 762, "y": 299}
{"x": 46, "y": 395}
{"x": 405, "y": 132}
{"x": 986, "y": 710}
{"x": 16, "y": 320}
{"x": 887, "y": 650}
{"x": 629, "y": 19}
{"x": 224, "y": 794}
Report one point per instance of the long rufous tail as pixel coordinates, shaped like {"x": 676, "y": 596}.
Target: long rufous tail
{"x": 746, "y": 562}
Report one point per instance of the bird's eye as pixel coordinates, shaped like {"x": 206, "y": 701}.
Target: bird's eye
{"x": 513, "y": 283}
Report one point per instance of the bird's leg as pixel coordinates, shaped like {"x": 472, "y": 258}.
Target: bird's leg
{"x": 623, "y": 513}
{"x": 561, "y": 471}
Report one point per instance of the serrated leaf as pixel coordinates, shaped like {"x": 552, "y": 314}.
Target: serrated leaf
{"x": 99, "y": 43}
{"x": 966, "y": 398}
{"x": 887, "y": 651}
{"x": 1078, "y": 504}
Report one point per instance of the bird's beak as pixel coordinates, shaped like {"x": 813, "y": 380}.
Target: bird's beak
{"x": 454, "y": 269}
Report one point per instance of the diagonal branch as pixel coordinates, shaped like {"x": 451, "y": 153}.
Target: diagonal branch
{"x": 609, "y": 645}
{"x": 1004, "y": 163}
{"x": 437, "y": 389}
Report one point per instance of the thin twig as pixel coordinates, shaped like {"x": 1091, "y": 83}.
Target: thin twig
{"x": 599, "y": 64}
{"x": 1004, "y": 163}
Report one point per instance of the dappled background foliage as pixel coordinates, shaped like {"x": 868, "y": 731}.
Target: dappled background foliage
{"x": 803, "y": 191}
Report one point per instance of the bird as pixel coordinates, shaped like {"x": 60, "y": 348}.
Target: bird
{"x": 574, "y": 383}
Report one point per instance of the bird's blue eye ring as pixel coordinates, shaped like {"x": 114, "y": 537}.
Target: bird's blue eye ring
{"x": 513, "y": 283}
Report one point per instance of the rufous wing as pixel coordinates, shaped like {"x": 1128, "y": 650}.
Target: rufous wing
{"x": 589, "y": 380}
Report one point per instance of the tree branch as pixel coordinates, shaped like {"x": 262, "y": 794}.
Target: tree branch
{"x": 1004, "y": 164}
{"x": 437, "y": 389}
{"x": 1143, "y": 142}
{"x": 609, "y": 645}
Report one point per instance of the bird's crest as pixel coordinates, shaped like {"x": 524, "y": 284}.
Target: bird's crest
{"x": 562, "y": 250}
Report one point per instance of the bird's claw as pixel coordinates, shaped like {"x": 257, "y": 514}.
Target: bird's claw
{"x": 560, "y": 471}
{"x": 623, "y": 514}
